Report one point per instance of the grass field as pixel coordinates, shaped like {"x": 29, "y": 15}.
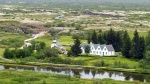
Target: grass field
{"x": 110, "y": 61}
{"x": 9, "y": 39}
{"x": 62, "y": 39}
{"x": 23, "y": 77}
{"x": 1, "y": 51}
{"x": 131, "y": 34}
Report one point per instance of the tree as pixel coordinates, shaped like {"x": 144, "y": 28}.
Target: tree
{"x": 126, "y": 45}
{"x": 94, "y": 38}
{"x": 76, "y": 50}
{"x": 118, "y": 42}
{"x": 145, "y": 63}
{"x": 141, "y": 48}
{"x": 88, "y": 39}
{"x": 87, "y": 49}
{"x": 134, "y": 45}
{"x": 42, "y": 45}
{"x": 50, "y": 52}
{"x": 111, "y": 38}
{"x": 69, "y": 53}
{"x": 7, "y": 53}
{"x": 147, "y": 41}
{"x": 101, "y": 39}
{"x": 137, "y": 47}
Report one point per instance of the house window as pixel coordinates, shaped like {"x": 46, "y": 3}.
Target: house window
{"x": 106, "y": 53}
{"x": 93, "y": 52}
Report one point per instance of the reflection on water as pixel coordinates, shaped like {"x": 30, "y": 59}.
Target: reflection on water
{"x": 84, "y": 73}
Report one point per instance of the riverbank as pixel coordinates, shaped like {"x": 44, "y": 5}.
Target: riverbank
{"x": 30, "y": 64}
{"x": 23, "y": 77}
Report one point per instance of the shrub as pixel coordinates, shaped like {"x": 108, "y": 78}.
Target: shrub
{"x": 29, "y": 59}
{"x": 100, "y": 63}
{"x": 51, "y": 52}
{"x": 78, "y": 62}
{"x": 118, "y": 64}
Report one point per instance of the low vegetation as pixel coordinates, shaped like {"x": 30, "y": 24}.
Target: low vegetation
{"x": 23, "y": 77}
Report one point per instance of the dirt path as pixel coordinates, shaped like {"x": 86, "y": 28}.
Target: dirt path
{"x": 34, "y": 37}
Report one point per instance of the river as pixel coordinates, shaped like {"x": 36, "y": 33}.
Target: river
{"x": 83, "y": 73}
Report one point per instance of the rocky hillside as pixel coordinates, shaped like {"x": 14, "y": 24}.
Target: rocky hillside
{"x": 13, "y": 26}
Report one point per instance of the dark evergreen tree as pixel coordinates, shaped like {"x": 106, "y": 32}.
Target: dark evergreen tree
{"x": 101, "y": 39}
{"x": 94, "y": 38}
{"x": 147, "y": 41}
{"x": 141, "y": 48}
{"x": 111, "y": 38}
{"x": 105, "y": 37}
{"x": 76, "y": 50}
{"x": 42, "y": 45}
{"x": 87, "y": 49}
{"x": 138, "y": 46}
{"x": 7, "y": 53}
{"x": 126, "y": 45}
{"x": 134, "y": 45}
{"x": 88, "y": 38}
{"x": 118, "y": 42}
{"x": 136, "y": 37}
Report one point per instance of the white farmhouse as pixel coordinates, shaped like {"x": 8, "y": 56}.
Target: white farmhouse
{"x": 97, "y": 49}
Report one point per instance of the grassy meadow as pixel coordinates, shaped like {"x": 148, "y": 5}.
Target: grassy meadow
{"x": 12, "y": 40}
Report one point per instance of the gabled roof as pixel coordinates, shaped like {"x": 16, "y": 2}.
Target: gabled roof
{"x": 110, "y": 48}
{"x": 83, "y": 45}
{"x": 95, "y": 45}
{"x": 102, "y": 46}
{"x": 58, "y": 44}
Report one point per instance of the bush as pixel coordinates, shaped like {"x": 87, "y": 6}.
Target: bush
{"x": 118, "y": 64}
{"x": 29, "y": 59}
{"x": 56, "y": 60}
{"x": 40, "y": 56}
{"x": 100, "y": 63}
{"x": 51, "y": 52}
{"x": 78, "y": 62}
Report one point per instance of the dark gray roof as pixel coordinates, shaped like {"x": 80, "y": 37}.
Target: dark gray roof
{"x": 110, "y": 48}
{"x": 58, "y": 44}
{"x": 83, "y": 45}
{"x": 95, "y": 45}
{"x": 102, "y": 46}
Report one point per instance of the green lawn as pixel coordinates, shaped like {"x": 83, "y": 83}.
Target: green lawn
{"x": 131, "y": 34}
{"x": 62, "y": 39}
{"x": 6, "y": 36}
{"x": 46, "y": 38}
{"x": 23, "y": 77}
{"x": 90, "y": 60}
{"x": 1, "y": 51}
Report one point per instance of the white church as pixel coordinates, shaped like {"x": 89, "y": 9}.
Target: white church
{"x": 59, "y": 46}
{"x": 97, "y": 49}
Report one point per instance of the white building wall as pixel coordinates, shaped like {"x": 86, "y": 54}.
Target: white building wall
{"x": 83, "y": 50}
{"x": 99, "y": 51}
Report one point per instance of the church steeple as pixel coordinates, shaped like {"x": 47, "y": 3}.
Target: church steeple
{"x": 54, "y": 41}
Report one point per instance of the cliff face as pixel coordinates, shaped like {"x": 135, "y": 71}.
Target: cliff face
{"x": 21, "y": 28}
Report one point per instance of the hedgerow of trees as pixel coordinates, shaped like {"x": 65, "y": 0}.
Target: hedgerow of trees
{"x": 130, "y": 48}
